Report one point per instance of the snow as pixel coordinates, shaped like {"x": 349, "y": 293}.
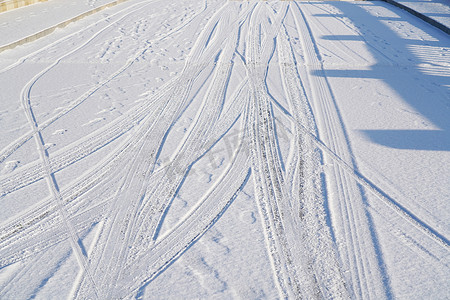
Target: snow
{"x": 20, "y": 23}
{"x": 225, "y": 149}
{"x": 438, "y": 10}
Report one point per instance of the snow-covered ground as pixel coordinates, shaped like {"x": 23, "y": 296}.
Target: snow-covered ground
{"x": 20, "y": 23}
{"x": 438, "y": 10}
{"x": 224, "y": 149}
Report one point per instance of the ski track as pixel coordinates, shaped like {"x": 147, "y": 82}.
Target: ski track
{"x": 125, "y": 198}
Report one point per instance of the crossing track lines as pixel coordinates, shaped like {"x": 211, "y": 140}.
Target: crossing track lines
{"x": 357, "y": 249}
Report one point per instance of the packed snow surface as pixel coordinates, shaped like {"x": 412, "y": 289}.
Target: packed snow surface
{"x": 217, "y": 149}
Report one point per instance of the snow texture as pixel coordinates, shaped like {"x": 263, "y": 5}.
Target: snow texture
{"x": 215, "y": 149}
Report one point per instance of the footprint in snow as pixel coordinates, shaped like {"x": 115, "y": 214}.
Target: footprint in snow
{"x": 48, "y": 146}
{"x": 59, "y": 132}
{"x": 94, "y": 121}
{"x": 10, "y": 166}
{"x": 248, "y": 217}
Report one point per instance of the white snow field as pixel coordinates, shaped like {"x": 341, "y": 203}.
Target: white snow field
{"x": 438, "y": 10}
{"x": 212, "y": 149}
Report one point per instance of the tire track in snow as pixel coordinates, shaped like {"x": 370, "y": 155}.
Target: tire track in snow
{"x": 297, "y": 279}
{"x": 45, "y": 234}
{"x": 75, "y": 241}
{"x": 6, "y": 152}
{"x": 94, "y": 177}
{"x": 74, "y": 191}
{"x": 207, "y": 127}
{"x": 18, "y": 275}
{"x": 374, "y": 189}
{"x": 191, "y": 227}
{"x": 292, "y": 278}
{"x": 302, "y": 172}
{"x": 226, "y": 76}
{"x": 29, "y": 174}
{"x": 352, "y": 228}
{"x": 46, "y": 263}
{"x": 197, "y": 141}
{"x": 63, "y": 159}
{"x": 142, "y": 253}
{"x": 45, "y": 48}
{"x": 381, "y": 195}
{"x": 171, "y": 113}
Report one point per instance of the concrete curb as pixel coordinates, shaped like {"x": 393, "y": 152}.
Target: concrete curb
{"x": 49, "y": 30}
{"x": 13, "y": 4}
{"x": 421, "y": 16}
